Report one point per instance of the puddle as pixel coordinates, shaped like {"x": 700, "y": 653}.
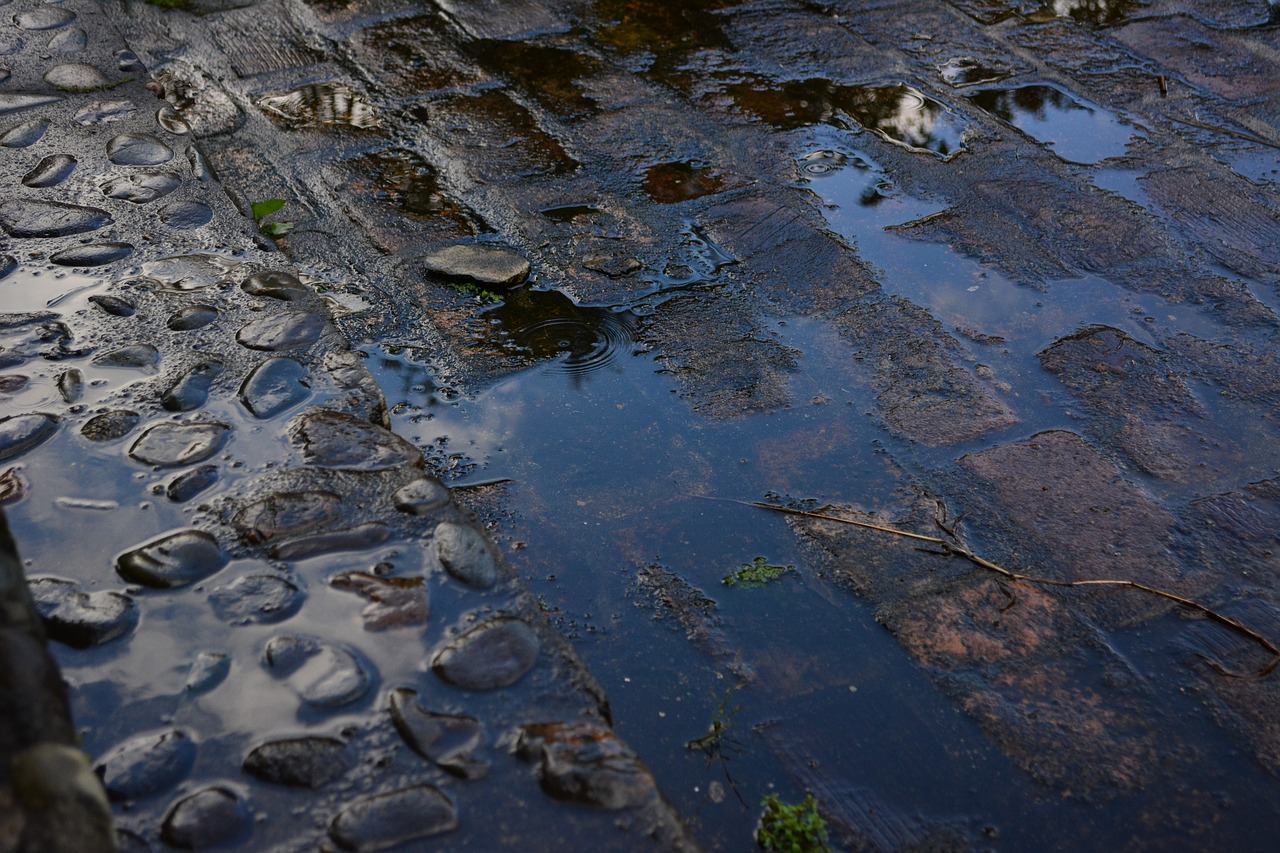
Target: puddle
{"x": 964, "y": 71}
{"x": 1086, "y": 11}
{"x": 549, "y": 74}
{"x": 26, "y": 289}
{"x": 320, "y": 105}
{"x": 669, "y": 183}
{"x": 633, "y": 26}
{"x": 402, "y": 179}
{"x": 1077, "y": 132}
{"x": 896, "y": 112}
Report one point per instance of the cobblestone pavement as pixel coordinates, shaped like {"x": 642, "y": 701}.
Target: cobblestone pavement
{"x": 1037, "y": 241}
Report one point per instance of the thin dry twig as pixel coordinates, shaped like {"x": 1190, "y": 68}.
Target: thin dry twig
{"x": 952, "y": 546}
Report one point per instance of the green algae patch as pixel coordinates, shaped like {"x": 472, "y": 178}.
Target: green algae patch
{"x": 756, "y": 574}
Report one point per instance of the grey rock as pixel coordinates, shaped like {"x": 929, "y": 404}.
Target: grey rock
{"x": 8, "y": 263}
{"x": 110, "y": 426}
{"x": 50, "y": 171}
{"x": 614, "y": 266}
{"x": 28, "y": 218}
{"x": 393, "y": 602}
{"x": 467, "y": 554}
{"x": 185, "y": 215}
{"x": 256, "y": 598}
{"x": 192, "y": 317}
{"x": 276, "y": 285}
{"x": 496, "y": 653}
{"x": 101, "y": 112}
{"x": 388, "y": 820}
{"x": 71, "y": 385}
{"x": 287, "y": 514}
{"x": 146, "y": 763}
{"x": 71, "y": 40}
{"x": 490, "y": 265}
{"x": 275, "y": 386}
{"x": 324, "y": 675}
{"x": 173, "y": 445}
{"x": 138, "y": 149}
{"x": 20, "y": 433}
{"x": 137, "y": 356}
{"x": 82, "y": 619}
{"x": 44, "y": 17}
{"x": 355, "y": 538}
{"x": 189, "y": 272}
{"x": 453, "y": 742}
{"x": 338, "y": 440}
{"x": 61, "y": 800}
{"x": 113, "y": 305}
{"x": 12, "y": 103}
{"x": 363, "y": 393}
{"x": 422, "y": 497}
{"x": 75, "y": 76}
{"x": 94, "y": 255}
{"x": 301, "y": 762}
{"x": 586, "y": 763}
{"x": 211, "y": 817}
{"x": 141, "y": 187}
{"x": 172, "y": 560}
{"x": 191, "y": 390}
{"x": 286, "y": 330}
{"x": 208, "y": 670}
{"x": 192, "y": 483}
{"x": 24, "y": 134}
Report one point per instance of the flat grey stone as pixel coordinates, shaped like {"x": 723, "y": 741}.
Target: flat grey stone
{"x": 475, "y": 262}
{"x": 173, "y": 445}
{"x": 44, "y": 17}
{"x": 185, "y": 215}
{"x": 453, "y": 742}
{"x": 110, "y": 426}
{"x": 283, "y": 331}
{"x": 207, "y": 671}
{"x": 191, "y": 390}
{"x": 389, "y": 820}
{"x": 93, "y": 255}
{"x": 50, "y": 171}
{"x": 211, "y": 817}
{"x": 189, "y": 272}
{"x": 324, "y": 675}
{"x": 467, "y": 554}
{"x": 113, "y": 305}
{"x": 75, "y": 77}
{"x": 100, "y": 112}
{"x": 422, "y": 497}
{"x": 20, "y": 433}
{"x": 70, "y": 40}
{"x": 80, "y": 619}
{"x": 138, "y": 149}
{"x": 287, "y": 514}
{"x": 275, "y": 386}
{"x": 173, "y": 560}
{"x": 141, "y": 187}
{"x": 496, "y": 653}
{"x": 300, "y": 762}
{"x": 146, "y": 763}
{"x": 25, "y": 134}
{"x": 356, "y": 538}
{"x": 192, "y": 483}
{"x": 10, "y": 103}
{"x": 136, "y": 356}
{"x": 191, "y": 318}
{"x": 338, "y": 440}
{"x": 28, "y": 218}
{"x": 275, "y": 284}
{"x": 256, "y": 599}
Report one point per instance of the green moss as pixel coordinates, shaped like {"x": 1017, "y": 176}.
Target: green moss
{"x": 755, "y": 574}
{"x": 169, "y": 4}
{"x": 792, "y": 829}
{"x": 486, "y": 296}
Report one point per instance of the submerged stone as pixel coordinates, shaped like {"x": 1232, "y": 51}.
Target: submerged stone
{"x": 94, "y": 255}
{"x": 586, "y": 763}
{"x": 496, "y": 653}
{"x": 256, "y": 598}
{"x": 275, "y": 386}
{"x": 20, "y": 433}
{"x": 338, "y": 440}
{"x": 301, "y": 762}
{"x": 287, "y": 330}
{"x": 24, "y": 135}
{"x": 388, "y": 820}
{"x": 356, "y": 538}
{"x": 81, "y": 619}
{"x": 191, "y": 390}
{"x": 28, "y": 218}
{"x": 70, "y": 385}
{"x": 138, "y": 149}
{"x": 393, "y": 602}
{"x": 169, "y": 445}
{"x": 72, "y": 40}
{"x": 323, "y": 675}
{"x": 100, "y": 112}
{"x": 422, "y": 497}
{"x": 287, "y": 514}
{"x": 192, "y": 317}
{"x": 141, "y": 188}
{"x": 50, "y": 171}
{"x": 454, "y": 743}
{"x": 173, "y": 560}
{"x": 185, "y": 215}
{"x": 467, "y": 554}
{"x": 207, "y": 672}
{"x": 491, "y": 265}
{"x": 138, "y": 356}
{"x": 110, "y": 426}
{"x": 192, "y": 483}
{"x": 189, "y": 272}
{"x": 275, "y": 284}
{"x": 113, "y": 305}
{"x": 146, "y": 763}
{"x": 208, "y": 818}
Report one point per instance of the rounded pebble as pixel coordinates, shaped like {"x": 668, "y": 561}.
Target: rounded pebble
{"x": 75, "y": 76}
{"x": 29, "y": 218}
{"x": 287, "y": 330}
{"x": 81, "y": 619}
{"x": 185, "y": 215}
{"x": 93, "y": 255}
{"x": 211, "y": 817}
{"x": 275, "y": 284}
{"x": 422, "y": 497}
{"x": 110, "y": 426}
{"x": 207, "y": 671}
{"x": 301, "y": 762}
{"x": 146, "y": 763}
{"x": 192, "y": 483}
{"x": 323, "y": 675}
{"x": 287, "y": 514}
{"x": 140, "y": 356}
{"x": 113, "y": 305}
{"x": 191, "y": 390}
{"x": 467, "y": 554}
{"x": 44, "y": 17}
{"x": 453, "y": 742}
{"x": 493, "y": 654}
{"x": 141, "y": 188}
{"x": 173, "y": 560}
{"x": 71, "y": 40}
{"x": 26, "y": 134}
{"x": 20, "y": 433}
{"x": 50, "y": 171}
{"x": 275, "y": 386}
{"x": 388, "y": 820}
{"x": 173, "y": 445}
{"x": 256, "y": 598}
{"x": 138, "y": 149}
{"x": 338, "y": 440}
{"x": 192, "y": 317}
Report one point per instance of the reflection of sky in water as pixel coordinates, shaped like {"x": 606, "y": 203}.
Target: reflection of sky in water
{"x": 1078, "y": 133}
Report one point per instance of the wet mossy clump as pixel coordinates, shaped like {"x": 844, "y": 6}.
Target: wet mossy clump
{"x": 756, "y": 574}
{"x": 792, "y": 829}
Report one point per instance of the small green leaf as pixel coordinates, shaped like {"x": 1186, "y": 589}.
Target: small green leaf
{"x": 277, "y": 229}
{"x": 263, "y": 209}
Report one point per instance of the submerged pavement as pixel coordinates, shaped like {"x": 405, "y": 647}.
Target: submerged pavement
{"x": 1032, "y": 247}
